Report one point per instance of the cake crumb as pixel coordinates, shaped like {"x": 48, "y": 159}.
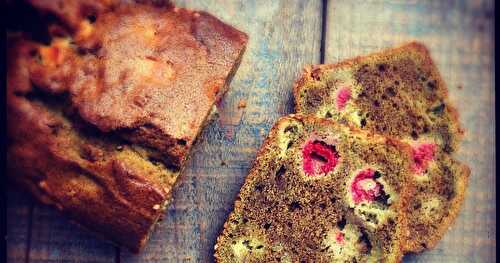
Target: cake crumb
{"x": 460, "y": 87}
{"x": 242, "y": 104}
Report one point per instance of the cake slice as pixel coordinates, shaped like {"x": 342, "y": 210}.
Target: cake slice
{"x": 320, "y": 192}
{"x": 398, "y": 93}
{"x": 101, "y": 119}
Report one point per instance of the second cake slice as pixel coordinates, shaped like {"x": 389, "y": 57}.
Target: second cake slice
{"x": 398, "y": 93}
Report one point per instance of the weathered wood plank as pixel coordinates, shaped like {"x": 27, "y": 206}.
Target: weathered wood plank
{"x": 19, "y": 208}
{"x": 460, "y": 37}
{"x": 55, "y": 239}
{"x": 284, "y": 35}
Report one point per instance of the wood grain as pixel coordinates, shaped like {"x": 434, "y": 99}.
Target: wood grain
{"x": 460, "y": 37}
{"x": 19, "y": 208}
{"x": 54, "y": 238}
{"x": 283, "y": 36}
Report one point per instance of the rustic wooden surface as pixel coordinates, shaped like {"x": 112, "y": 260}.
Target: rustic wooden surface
{"x": 285, "y": 35}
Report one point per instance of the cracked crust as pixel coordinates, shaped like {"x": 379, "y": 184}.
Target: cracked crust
{"x": 157, "y": 91}
{"x": 98, "y": 120}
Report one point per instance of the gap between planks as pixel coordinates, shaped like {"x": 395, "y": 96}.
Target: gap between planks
{"x": 30, "y": 224}
{"x": 324, "y": 19}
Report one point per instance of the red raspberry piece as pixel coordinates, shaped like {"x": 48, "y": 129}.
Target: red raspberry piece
{"x": 319, "y": 158}
{"x": 364, "y": 187}
{"x": 343, "y": 95}
{"x": 422, "y": 155}
{"x": 339, "y": 238}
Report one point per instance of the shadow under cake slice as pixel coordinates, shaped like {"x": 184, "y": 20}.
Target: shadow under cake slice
{"x": 320, "y": 192}
{"x": 398, "y": 93}
{"x": 101, "y": 118}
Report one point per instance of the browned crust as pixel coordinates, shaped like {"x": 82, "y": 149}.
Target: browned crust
{"x": 405, "y": 195}
{"x": 73, "y": 12}
{"x": 103, "y": 194}
{"x": 142, "y": 92}
{"x": 308, "y": 75}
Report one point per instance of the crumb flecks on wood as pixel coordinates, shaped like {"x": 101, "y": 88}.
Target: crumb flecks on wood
{"x": 242, "y": 104}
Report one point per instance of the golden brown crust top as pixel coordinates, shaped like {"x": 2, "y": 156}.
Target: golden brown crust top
{"x": 151, "y": 74}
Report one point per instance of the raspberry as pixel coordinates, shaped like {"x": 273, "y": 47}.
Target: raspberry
{"x": 339, "y": 238}
{"x": 319, "y": 158}
{"x": 422, "y": 155}
{"x": 364, "y": 187}
{"x": 343, "y": 96}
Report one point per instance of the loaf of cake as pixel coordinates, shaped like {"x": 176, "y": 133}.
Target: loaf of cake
{"x": 398, "y": 93}
{"x": 320, "y": 191}
{"x": 102, "y": 116}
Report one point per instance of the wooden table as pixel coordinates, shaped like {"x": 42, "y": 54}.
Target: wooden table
{"x": 285, "y": 35}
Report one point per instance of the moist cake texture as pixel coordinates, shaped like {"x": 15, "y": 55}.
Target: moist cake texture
{"x": 398, "y": 93}
{"x": 320, "y": 192}
{"x": 102, "y": 116}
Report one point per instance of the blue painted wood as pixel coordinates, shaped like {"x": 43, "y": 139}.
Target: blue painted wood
{"x": 56, "y": 239}
{"x": 19, "y": 208}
